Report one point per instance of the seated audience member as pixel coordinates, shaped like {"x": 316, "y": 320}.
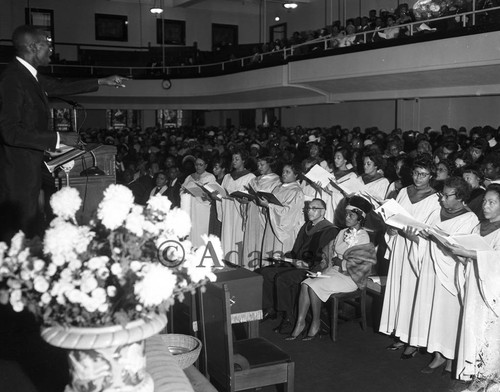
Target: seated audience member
{"x": 491, "y": 168}
{"x": 444, "y": 170}
{"x": 141, "y": 186}
{"x": 473, "y": 176}
{"x": 173, "y": 187}
{"x": 392, "y": 30}
{"x": 281, "y": 281}
{"x": 477, "y": 150}
{"x": 161, "y": 185}
{"x": 347, "y": 261}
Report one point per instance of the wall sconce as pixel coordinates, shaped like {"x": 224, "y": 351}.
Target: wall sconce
{"x": 290, "y": 5}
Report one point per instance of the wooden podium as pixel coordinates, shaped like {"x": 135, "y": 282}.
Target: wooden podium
{"x": 91, "y": 187}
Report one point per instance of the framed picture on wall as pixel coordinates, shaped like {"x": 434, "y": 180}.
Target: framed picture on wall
{"x": 111, "y": 27}
{"x": 224, "y": 35}
{"x": 173, "y": 32}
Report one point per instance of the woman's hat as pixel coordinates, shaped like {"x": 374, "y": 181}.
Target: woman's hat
{"x": 358, "y": 203}
{"x": 313, "y": 139}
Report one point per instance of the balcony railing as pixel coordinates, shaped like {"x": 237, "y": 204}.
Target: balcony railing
{"x": 468, "y": 20}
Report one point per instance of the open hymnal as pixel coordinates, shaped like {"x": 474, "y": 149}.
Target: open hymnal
{"x": 195, "y": 191}
{"x": 395, "y": 215}
{"x": 317, "y": 174}
{"x": 242, "y": 195}
{"x": 213, "y": 190}
{"x": 349, "y": 185}
{"x": 465, "y": 241}
{"x": 268, "y": 196}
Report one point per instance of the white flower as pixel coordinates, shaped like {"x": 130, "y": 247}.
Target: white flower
{"x": 75, "y": 264}
{"x": 135, "y": 265}
{"x": 40, "y": 284}
{"x": 116, "y": 269}
{"x": 151, "y": 228}
{"x": 157, "y": 285}
{"x": 99, "y": 294}
{"x": 45, "y": 298}
{"x": 159, "y": 205}
{"x": 111, "y": 290}
{"x": 97, "y": 262}
{"x": 89, "y": 303}
{"x": 16, "y": 244}
{"x": 89, "y": 283}
{"x": 177, "y": 223}
{"x": 15, "y": 300}
{"x": 102, "y": 273}
{"x": 66, "y": 202}
{"x": 51, "y": 270}
{"x": 135, "y": 221}
{"x": 115, "y": 206}
{"x": 38, "y": 265}
{"x": 75, "y": 296}
{"x": 64, "y": 241}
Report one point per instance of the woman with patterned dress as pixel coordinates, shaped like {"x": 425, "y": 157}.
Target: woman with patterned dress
{"x": 419, "y": 200}
{"x": 256, "y": 216}
{"x": 347, "y": 261}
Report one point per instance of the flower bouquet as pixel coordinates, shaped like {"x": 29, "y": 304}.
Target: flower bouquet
{"x": 126, "y": 266}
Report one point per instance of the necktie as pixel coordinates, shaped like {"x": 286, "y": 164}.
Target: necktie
{"x": 157, "y": 190}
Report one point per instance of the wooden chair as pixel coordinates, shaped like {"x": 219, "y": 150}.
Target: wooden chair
{"x": 243, "y": 364}
{"x": 355, "y": 298}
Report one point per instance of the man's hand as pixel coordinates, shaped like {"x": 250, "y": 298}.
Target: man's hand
{"x": 113, "y": 81}
{"x": 69, "y": 138}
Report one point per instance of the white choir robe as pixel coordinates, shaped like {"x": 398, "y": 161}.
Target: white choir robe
{"x": 403, "y": 274}
{"x": 198, "y": 209}
{"x": 283, "y": 223}
{"x": 229, "y": 212}
{"x": 479, "y": 342}
{"x": 436, "y": 314}
{"x": 255, "y": 222}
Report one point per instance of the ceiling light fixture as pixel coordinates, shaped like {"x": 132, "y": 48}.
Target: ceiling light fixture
{"x": 156, "y": 9}
{"x": 290, "y": 5}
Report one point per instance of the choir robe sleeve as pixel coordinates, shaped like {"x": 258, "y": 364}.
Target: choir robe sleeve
{"x": 283, "y": 219}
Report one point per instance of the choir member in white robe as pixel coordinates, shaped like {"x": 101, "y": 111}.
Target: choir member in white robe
{"x": 374, "y": 181}
{"x": 420, "y": 200}
{"x": 437, "y": 309}
{"x": 284, "y": 222}
{"x": 256, "y": 216}
{"x": 197, "y": 207}
{"x": 229, "y": 210}
{"x": 478, "y": 358}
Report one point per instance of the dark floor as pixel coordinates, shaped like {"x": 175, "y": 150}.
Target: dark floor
{"x": 357, "y": 362}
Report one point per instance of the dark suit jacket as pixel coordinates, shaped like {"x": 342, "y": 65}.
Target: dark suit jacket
{"x": 24, "y": 135}
{"x": 174, "y": 193}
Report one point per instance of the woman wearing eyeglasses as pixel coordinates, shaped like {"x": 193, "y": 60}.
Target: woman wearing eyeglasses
{"x": 437, "y": 309}
{"x": 479, "y": 343}
{"x": 283, "y": 222}
{"x": 346, "y": 263}
{"x": 197, "y": 207}
{"x": 420, "y": 200}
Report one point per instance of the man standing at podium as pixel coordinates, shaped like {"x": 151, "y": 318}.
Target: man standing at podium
{"x": 24, "y": 133}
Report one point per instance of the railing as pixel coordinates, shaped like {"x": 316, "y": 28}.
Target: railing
{"x": 467, "y": 19}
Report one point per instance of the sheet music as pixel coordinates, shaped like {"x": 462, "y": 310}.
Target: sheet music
{"x": 464, "y": 241}
{"x": 318, "y": 174}
{"x": 390, "y": 208}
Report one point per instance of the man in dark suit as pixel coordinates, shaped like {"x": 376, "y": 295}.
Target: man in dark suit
{"x": 24, "y": 133}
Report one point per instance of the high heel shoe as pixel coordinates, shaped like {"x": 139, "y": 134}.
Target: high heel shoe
{"x": 430, "y": 370}
{"x": 308, "y": 338}
{"x": 395, "y": 346}
{"x": 410, "y": 355}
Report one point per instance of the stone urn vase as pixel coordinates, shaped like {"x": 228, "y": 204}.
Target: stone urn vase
{"x": 106, "y": 359}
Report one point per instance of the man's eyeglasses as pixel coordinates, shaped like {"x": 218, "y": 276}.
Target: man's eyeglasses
{"x": 420, "y": 174}
{"x": 314, "y": 208}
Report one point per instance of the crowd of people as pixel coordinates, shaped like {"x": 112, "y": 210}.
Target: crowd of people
{"x": 292, "y": 230}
